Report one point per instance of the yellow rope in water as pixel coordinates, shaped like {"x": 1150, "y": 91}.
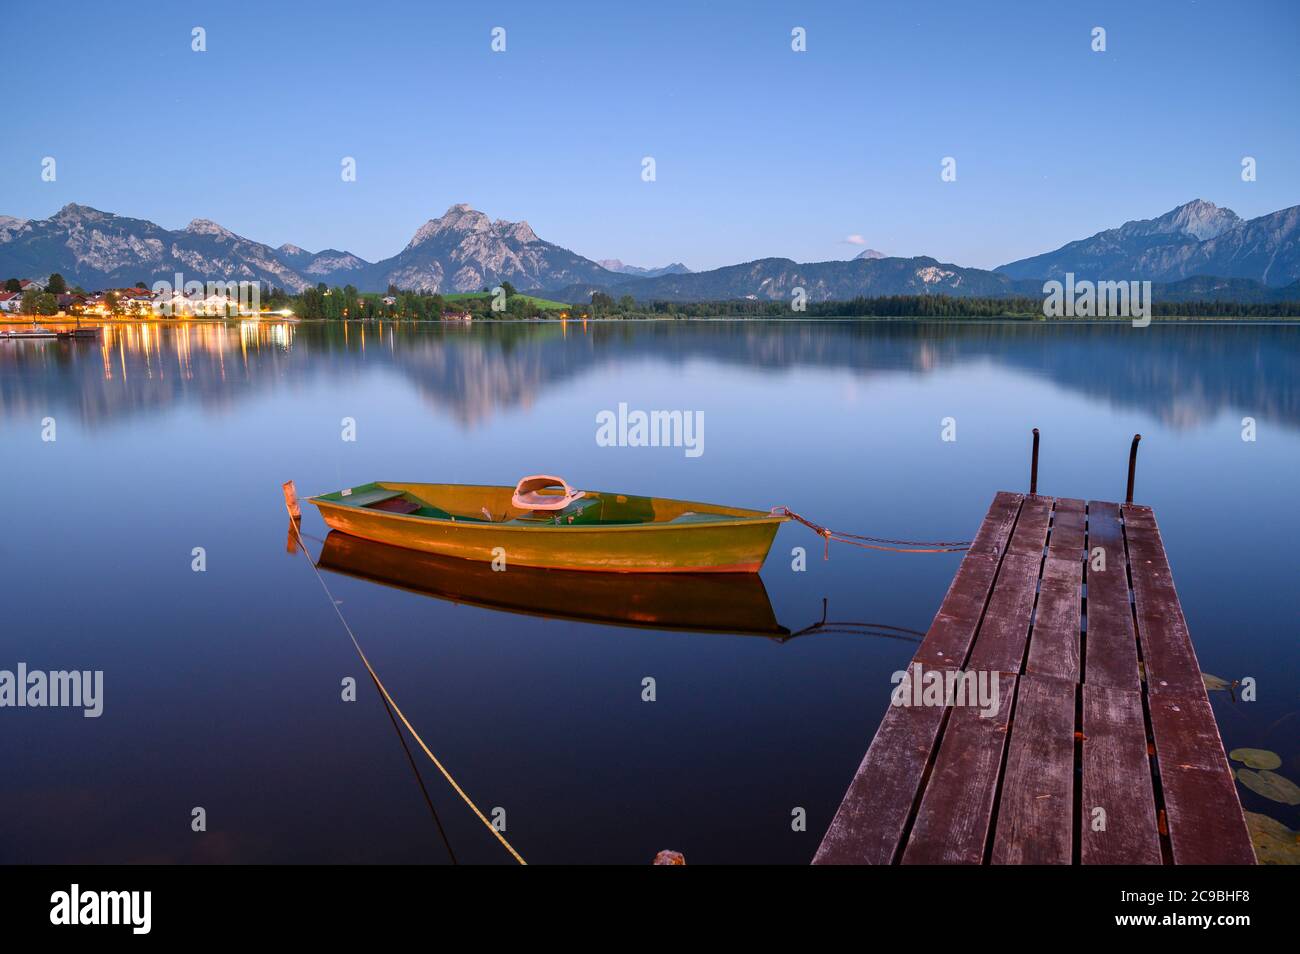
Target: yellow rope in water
{"x": 393, "y": 702}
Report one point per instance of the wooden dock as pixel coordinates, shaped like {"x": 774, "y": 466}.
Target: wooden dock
{"x": 1103, "y": 748}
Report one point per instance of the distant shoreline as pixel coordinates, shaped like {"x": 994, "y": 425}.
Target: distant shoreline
{"x": 72, "y": 320}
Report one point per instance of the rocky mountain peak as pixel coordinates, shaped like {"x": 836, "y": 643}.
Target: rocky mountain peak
{"x": 289, "y": 249}
{"x": 519, "y": 231}
{"x": 870, "y": 253}
{"x": 1197, "y": 219}
{"x": 460, "y": 218}
{"x": 72, "y": 212}
{"x": 208, "y": 227}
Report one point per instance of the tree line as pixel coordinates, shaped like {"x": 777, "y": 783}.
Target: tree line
{"x": 334, "y": 303}
{"x": 323, "y": 302}
{"x": 919, "y": 306}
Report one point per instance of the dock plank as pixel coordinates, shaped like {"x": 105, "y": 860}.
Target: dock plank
{"x": 952, "y": 822}
{"x": 995, "y": 529}
{"x": 1000, "y": 644}
{"x": 1111, "y": 651}
{"x": 949, "y": 638}
{"x": 869, "y": 825}
{"x": 1054, "y": 648}
{"x": 1166, "y": 643}
{"x": 953, "y": 630}
{"x": 1117, "y": 780}
{"x": 1004, "y": 632}
{"x": 1206, "y": 824}
{"x": 1030, "y": 534}
{"x": 1067, "y": 539}
{"x": 1069, "y": 528}
{"x": 1054, "y": 645}
{"x": 1035, "y": 816}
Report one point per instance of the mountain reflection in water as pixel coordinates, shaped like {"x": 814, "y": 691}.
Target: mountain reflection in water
{"x": 1182, "y": 373}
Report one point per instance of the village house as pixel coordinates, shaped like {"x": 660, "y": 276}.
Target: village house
{"x": 181, "y": 306}
{"x": 135, "y": 301}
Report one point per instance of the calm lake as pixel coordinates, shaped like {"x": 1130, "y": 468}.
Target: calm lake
{"x": 222, "y": 688}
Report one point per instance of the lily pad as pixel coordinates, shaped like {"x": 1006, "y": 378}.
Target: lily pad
{"x": 1214, "y": 683}
{"x": 1275, "y": 844}
{"x": 1257, "y": 758}
{"x": 1272, "y": 786}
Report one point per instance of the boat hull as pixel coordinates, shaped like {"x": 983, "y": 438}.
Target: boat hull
{"x": 735, "y": 544}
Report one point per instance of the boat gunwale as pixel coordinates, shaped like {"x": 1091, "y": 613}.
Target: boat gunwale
{"x": 752, "y": 517}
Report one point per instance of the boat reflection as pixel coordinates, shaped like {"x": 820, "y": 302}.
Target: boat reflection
{"x": 727, "y": 603}
{"x": 735, "y": 603}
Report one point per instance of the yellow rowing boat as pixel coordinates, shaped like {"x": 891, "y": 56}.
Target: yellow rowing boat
{"x": 543, "y": 522}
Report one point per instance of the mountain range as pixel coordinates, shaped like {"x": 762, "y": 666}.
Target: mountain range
{"x": 1197, "y": 238}
{"x": 1195, "y": 250}
{"x": 614, "y": 265}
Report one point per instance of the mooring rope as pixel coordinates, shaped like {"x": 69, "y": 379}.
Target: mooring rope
{"x": 392, "y": 702}
{"x": 873, "y": 543}
{"x": 415, "y": 769}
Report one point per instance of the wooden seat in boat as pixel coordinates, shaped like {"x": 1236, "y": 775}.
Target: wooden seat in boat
{"x": 586, "y": 511}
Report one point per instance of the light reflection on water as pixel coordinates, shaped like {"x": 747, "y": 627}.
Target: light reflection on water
{"x": 222, "y": 687}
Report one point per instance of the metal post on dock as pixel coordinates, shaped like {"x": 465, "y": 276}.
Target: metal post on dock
{"x": 1132, "y": 467}
{"x": 1033, "y": 468}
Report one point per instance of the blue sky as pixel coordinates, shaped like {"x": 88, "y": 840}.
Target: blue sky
{"x": 759, "y": 150}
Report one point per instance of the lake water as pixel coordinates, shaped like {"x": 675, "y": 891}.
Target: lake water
{"x": 222, "y": 688}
